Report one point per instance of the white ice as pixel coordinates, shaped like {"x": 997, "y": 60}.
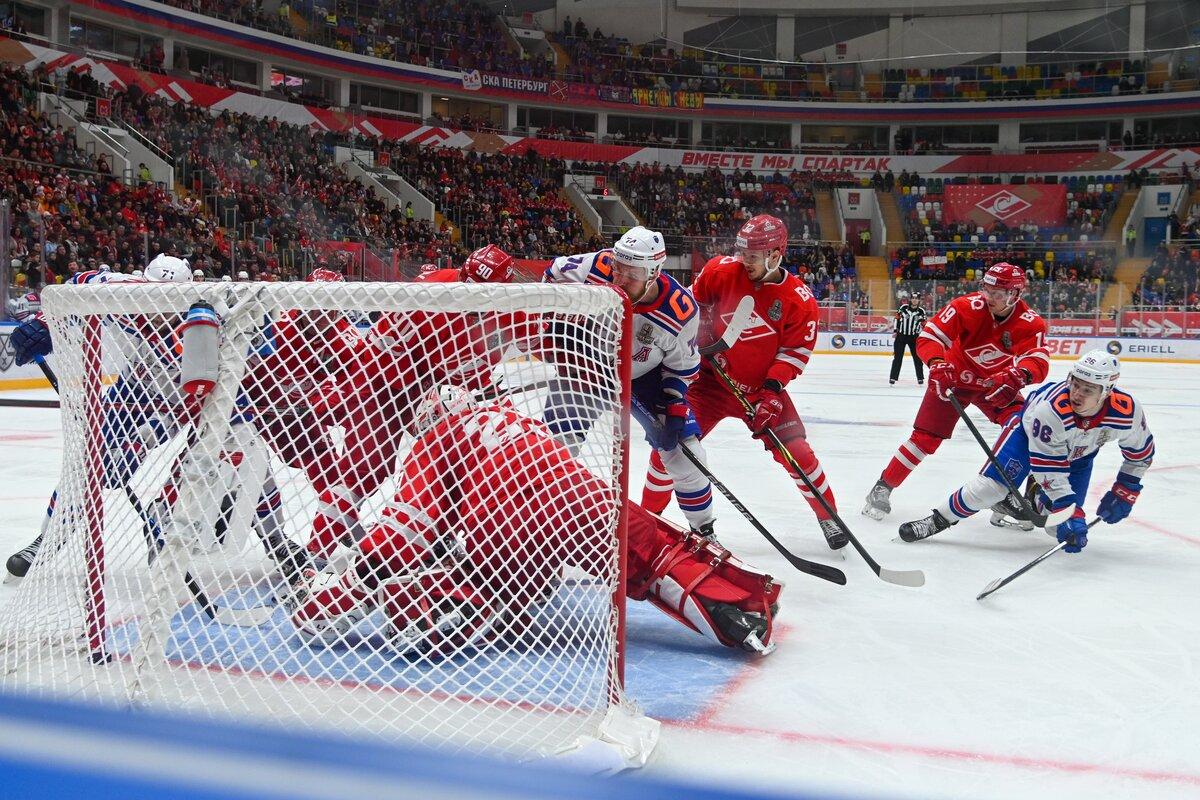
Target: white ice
{"x": 1078, "y": 680}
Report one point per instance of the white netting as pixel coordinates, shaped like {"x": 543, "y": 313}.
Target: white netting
{"x": 472, "y": 594}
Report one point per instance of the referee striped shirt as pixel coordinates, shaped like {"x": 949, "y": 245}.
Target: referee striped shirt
{"x": 909, "y": 320}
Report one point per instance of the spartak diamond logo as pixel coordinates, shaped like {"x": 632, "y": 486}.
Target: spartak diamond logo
{"x": 1003, "y": 204}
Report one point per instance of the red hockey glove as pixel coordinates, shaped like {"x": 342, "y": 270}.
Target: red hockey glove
{"x": 768, "y": 405}
{"x": 1006, "y": 386}
{"x": 943, "y": 377}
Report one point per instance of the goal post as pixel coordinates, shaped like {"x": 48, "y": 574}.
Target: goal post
{"x": 469, "y": 579}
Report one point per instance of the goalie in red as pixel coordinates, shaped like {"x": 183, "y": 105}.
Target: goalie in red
{"x": 985, "y": 347}
{"x": 374, "y": 399}
{"x": 491, "y": 508}
{"x": 767, "y": 355}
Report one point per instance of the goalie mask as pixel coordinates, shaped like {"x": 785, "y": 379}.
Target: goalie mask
{"x": 440, "y": 403}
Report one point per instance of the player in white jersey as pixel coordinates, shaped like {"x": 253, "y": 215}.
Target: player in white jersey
{"x": 665, "y": 361}
{"x": 142, "y": 405}
{"x": 1055, "y": 440}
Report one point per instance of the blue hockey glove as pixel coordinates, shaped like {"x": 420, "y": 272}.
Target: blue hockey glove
{"x": 1118, "y": 501}
{"x": 673, "y": 422}
{"x": 1074, "y": 532}
{"x": 29, "y": 340}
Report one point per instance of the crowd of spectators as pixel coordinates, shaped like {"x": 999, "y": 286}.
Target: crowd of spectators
{"x": 515, "y": 202}
{"x": 1087, "y": 212}
{"x": 711, "y": 205}
{"x": 995, "y": 81}
{"x": 1173, "y": 277}
{"x": 1072, "y": 283}
{"x": 465, "y": 34}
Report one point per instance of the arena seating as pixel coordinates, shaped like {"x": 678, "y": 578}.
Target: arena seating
{"x": 463, "y": 34}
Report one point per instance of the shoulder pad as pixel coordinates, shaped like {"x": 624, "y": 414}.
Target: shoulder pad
{"x": 1120, "y": 403}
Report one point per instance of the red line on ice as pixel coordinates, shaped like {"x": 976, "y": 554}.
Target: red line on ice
{"x": 944, "y": 753}
{"x": 1183, "y": 537}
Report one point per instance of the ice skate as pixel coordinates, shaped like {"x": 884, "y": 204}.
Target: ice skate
{"x": 834, "y": 535}
{"x": 1009, "y": 513}
{"x": 878, "y": 503}
{"x": 924, "y": 528}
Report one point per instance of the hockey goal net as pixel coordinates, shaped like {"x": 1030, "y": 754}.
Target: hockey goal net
{"x": 185, "y": 534}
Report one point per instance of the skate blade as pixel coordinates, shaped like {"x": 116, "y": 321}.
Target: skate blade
{"x": 874, "y": 513}
{"x": 9, "y": 578}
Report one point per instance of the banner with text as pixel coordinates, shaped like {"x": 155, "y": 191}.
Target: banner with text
{"x": 1061, "y": 347}
{"x": 985, "y": 205}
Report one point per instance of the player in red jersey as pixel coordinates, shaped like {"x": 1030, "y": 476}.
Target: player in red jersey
{"x": 303, "y": 350}
{"x": 489, "y": 511}
{"x": 984, "y": 347}
{"x": 405, "y": 355}
{"x": 772, "y": 351}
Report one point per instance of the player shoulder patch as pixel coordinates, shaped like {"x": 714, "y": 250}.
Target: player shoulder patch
{"x": 1006, "y": 340}
{"x": 645, "y": 334}
{"x": 775, "y": 312}
{"x": 1062, "y": 403}
{"x": 1121, "y": 403}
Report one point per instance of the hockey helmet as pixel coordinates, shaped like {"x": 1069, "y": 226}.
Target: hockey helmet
{"x": 641, "y": 247}
{"x": 1003, "y": 275}
{"x": 762, "y": 232}
{"x": 488, "y": 264}
{"x": 1099, "y": 367}
{"x": 326, "y": 276}
{"x": 439, "y": 403}
{"x": 168, "y": 269}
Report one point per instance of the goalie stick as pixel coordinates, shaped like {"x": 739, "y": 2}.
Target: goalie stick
{"x": 831, "y": 574}
{"x": 222, "y": 615}
{"x": 913, "y": 578}
{"x": 999, "y": 583}
{"x": 1047, "y": 520}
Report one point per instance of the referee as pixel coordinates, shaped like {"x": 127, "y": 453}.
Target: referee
{"x": 909, "y": 320}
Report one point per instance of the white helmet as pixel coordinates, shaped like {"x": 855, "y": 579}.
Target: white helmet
{"x": 439, "y": 403}
{"x": 168, "y": 269}
{"x": 243, "y": 275}
{"x": 137, "y": 273}
{"x": 1099, "y": 367}
{"x": 644, "y": 248}
{"x": 225, "y": 278}
{"x": 197, "y": 274}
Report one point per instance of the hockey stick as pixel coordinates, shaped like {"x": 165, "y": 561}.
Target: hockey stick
{"x": 14, "y": 402}
{"x": 831, "y": 574}
{"x": 220, "y": 614}
{"x": 912, "y": 578}
{"x": 1049, "y": 519}
{"x": 737, "y": 323}
{"x": 1002, "y": 582}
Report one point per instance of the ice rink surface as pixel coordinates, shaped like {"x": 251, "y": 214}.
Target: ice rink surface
{"x": 1077, "y": 680}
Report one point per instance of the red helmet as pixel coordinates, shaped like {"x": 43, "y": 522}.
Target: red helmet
{"x": 488, "y": 265}
{"x": 1003, "y": 275}
{"x": 325, "y": 276}
{"x": 762, "y": 232}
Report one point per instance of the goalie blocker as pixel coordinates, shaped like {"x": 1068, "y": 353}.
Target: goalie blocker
{"x": 427, "y": 564}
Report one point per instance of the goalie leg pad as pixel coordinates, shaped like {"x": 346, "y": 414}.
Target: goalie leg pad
{"x": 438, "y": 617}
{"x": 690, "y": 579}
{"x": 327, "y": 610}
